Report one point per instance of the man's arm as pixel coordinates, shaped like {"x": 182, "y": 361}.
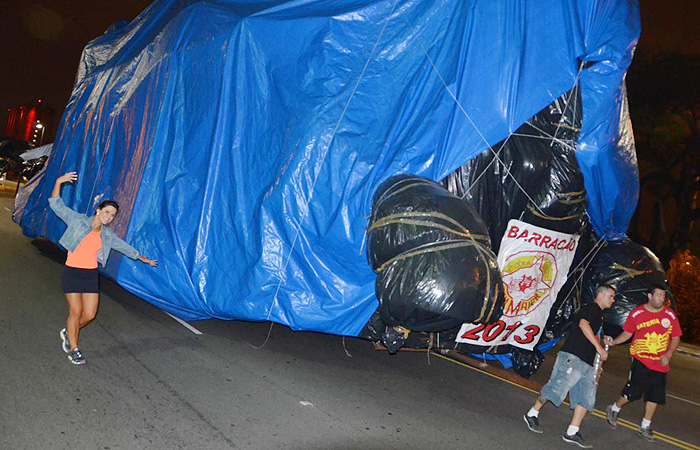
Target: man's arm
{"x": 666, "y": 357}
{"x": 585, "y": 327}
{"x": 622, "y": 337}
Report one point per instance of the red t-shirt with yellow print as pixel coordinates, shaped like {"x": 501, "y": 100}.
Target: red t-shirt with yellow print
{"x": 652, "y": 335}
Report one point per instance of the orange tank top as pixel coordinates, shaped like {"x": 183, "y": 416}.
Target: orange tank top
{"x": 85, "y": 254}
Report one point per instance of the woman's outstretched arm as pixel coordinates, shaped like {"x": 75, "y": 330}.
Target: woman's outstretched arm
{"x": 65, "y": 178}
{"x": 56, "y": 203}
{"x": 150, "y": 262}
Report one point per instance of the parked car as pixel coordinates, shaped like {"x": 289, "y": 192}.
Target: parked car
{"x": 10, "y": 160}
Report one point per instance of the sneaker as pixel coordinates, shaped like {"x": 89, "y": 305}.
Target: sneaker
{"x": 76, "y": 357}
{"x": 646, "y": 433}
{"x": 576, "y": 439}
{"x": 533, "y": 423}
{"x": 611, "y": 416}
{"x": 64, "y": 341}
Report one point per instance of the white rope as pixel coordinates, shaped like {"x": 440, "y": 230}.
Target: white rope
{"x": 479, "y": 177}
{"x": 552, "y": 138}
{"x": 269, "y": 332}
{"x": 313, "y": 185}
{"x": 599, "y": 245}
{"x": 459, "y": 104}
{"x": 569, "y": 144}
{"x": 566, "y": 102}
{"x": 485, "y": 168}
{"x": 461, "y": 107}
{"x": 347, "y": 353}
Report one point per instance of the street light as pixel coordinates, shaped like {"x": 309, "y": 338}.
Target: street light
{"x": 40, "y": 126}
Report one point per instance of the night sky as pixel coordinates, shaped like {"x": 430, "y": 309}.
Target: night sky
{"x": 42, "y": 41}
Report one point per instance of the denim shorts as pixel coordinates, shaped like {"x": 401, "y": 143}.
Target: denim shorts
{"x": 573, "y": 376}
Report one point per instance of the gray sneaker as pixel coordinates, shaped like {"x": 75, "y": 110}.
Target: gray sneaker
{"x": 76, "y": 357}
{"x": 533, "y": 423}
{"x": 646, "y": 433}
{"x": 64, "y": 340}
{"x": 576, "y": 439}
{"x": 611, "y": 416}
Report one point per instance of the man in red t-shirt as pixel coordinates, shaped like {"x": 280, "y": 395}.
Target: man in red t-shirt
{"x": 656, "y": 334}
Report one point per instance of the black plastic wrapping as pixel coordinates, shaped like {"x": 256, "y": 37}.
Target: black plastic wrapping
{"x": 526, "y": 362}
{"x": 393, "y": 339}
{"x": 430, "y": 249}
{"x": 409, "y": 211}
{"x": 373, "y": 329}
{"x": 451, "y": 283}
{"x": 632, "y": 268}
{"x": 538, "y": 158}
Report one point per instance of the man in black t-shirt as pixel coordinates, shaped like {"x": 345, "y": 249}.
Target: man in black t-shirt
{"x": 573, "y": 371}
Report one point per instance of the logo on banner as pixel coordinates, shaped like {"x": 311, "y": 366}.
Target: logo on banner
{"x": 528, "y": 278}
{"x": 534, "y": 263}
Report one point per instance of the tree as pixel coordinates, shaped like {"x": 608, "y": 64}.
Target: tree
{"x": 684, "y": 279}
{"x": 664, "y": 97}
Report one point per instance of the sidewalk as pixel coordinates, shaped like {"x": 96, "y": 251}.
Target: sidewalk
{"x": 689, "y": 349}
{"x": 9, "y": 186}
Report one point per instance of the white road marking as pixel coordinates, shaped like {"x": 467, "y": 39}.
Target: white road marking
{"x": 184, "y": 324}
{"x": 683, "y": 400}
{"x": 305, "y": 403}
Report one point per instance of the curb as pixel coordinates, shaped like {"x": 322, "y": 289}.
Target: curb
{"x": 689, "y": 351}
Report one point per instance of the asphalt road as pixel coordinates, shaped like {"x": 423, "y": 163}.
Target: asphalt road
{"x": 150, "y": 383}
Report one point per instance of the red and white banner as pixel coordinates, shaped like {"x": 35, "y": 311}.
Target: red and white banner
{"x": 534, "y": 264}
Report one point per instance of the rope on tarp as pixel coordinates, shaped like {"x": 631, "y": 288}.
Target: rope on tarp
{"x": 464, "y": 112}
{"x": 313, "y": 185}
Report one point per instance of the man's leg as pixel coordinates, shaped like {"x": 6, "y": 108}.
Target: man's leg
{"x": 554, "y": 391}
{"x": 532, "y": 417}
{"x": 539, "y": 403}
{"x": 650, "y": 410}
{"x": 636, "y": 384}
{"x": 572, "y": 434}
{"x": 644, "y": 429}
{"x": 613, "y": 411}
{"x": 622, "y": 401}
{"x": 579, "y": 413}
{"x": 654, "y": 395}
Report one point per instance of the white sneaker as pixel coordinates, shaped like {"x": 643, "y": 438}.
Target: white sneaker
{"x": 64, "y": 340}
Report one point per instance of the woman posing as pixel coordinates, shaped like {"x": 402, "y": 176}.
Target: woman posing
{"x": 89, "y": 242}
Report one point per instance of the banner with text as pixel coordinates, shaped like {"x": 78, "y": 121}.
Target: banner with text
{"x": 534, "y": 263}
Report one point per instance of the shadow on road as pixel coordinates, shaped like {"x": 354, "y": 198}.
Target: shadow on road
{"x": 50, "y": 250}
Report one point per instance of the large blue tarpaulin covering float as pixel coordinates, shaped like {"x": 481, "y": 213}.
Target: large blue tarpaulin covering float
{"x": 245, "y": 139}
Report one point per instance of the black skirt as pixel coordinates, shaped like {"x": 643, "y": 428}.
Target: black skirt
{"x": 81, "y": 281}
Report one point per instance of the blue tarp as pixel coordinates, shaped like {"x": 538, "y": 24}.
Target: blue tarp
{"x": 245, "y": 139}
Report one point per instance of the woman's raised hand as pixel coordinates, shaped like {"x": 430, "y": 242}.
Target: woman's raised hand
{"x": 67, "y": 178}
